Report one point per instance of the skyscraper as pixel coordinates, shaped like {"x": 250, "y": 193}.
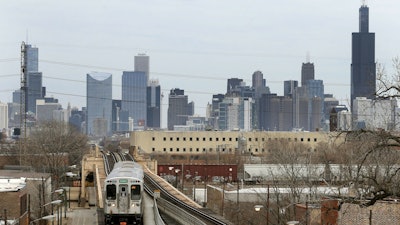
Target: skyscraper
{"x": 99, "y": 103}
{"x": 315, "y": 93}
{"x": 307, "y": 72}
{"x": 363, "y": 67}
{"x": 258, "y": 80}
{"x": 142, "y": 64}
{"x": 45, "y": 111}
{"x": 32, "y": 58}
{"x": 134, "y": 86}
{"x": 177, "y": 108}
{"x": 232, "y": 84}
{"x": 153, "y": 104}
{"x": 35, "y": 89}
{"x": 288, "y": 87}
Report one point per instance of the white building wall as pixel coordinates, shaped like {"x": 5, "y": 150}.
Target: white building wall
{"x": 3, "y": 116}
{"x": 247, "y": 114}
{"x": 384, "y": 114}
{"x": 344, "y": 121}
{"x": 233, "y": 114}
{"x": 376, "y": 114}
{"x": 61, "y": 115}
{"x": 44, "y": 111}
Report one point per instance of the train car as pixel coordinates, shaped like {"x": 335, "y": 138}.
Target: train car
{"x": 123, "y": 194}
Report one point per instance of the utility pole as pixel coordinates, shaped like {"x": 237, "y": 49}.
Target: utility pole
{"x": 268, "y": 205}
{"x": 23, "y": 101}
{"x": 5, "y": 216}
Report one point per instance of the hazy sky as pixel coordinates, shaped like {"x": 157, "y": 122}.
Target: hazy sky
{"x": 195, "y": 45}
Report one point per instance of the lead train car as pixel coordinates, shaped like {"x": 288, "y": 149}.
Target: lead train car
{"x": 123, "y": 187}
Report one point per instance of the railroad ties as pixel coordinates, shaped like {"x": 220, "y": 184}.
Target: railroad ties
{"x": 171, "y": 189}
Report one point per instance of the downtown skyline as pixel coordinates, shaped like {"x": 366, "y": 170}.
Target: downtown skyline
{"x": 203, "y": 69}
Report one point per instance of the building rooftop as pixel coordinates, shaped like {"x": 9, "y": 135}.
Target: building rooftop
{"x": 12, "y": 184}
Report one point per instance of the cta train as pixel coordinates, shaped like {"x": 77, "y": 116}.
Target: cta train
{"x": 123, "y": 194}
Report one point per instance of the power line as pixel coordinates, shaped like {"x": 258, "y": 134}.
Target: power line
{"x": 9, "y": 59}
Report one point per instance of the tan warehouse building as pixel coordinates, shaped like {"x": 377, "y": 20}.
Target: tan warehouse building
{"x": 200, "y": 142}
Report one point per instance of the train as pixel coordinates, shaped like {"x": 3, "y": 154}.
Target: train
{"x": 123, "y": 194}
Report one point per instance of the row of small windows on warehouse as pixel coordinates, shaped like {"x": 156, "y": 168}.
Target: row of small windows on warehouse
{"x": 222, "y": 147}
{"x": 236, "y": 139}
{"x": 211, "y": 150}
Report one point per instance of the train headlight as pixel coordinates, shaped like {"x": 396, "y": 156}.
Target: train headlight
{"x": 133, "y": 205}
{"x": 113, "y": 204}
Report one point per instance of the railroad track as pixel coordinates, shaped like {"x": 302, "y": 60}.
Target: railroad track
{"x": 170, "y": 194}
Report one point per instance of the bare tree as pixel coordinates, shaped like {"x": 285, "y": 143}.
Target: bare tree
{"x": 372, "y": 165}
{"x": 372, "y": 157}
{"x": 54, "y": 146}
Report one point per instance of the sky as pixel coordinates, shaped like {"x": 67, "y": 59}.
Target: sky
{"x": 195, "y": 45}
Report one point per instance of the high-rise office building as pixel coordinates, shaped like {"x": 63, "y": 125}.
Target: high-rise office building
{"x": 307, "y": 72}
{"x": 330, "y": 103}
{"x": 134, "y": 85}
{"x": 45, "y": 111}
{"x": 32, "y": 58}
{"x": 3, "y": 116}
{"x": 154, "y": 104}
{"x": 232, "y": 84}
{"x": 363, "y": 67}
{"x": 77, "y": 119}
{"x": 177, "y": 108}
{"x": 214, "y": 110}
{"x": 300, "y": 108}
{"x": 99, "y": 104}
{"x": 142, "y": 64}
{"x": 16, "y": 96}
{"x": 35, "y": 90}
{"x": 258, "y": 89}
{"x": 315, "y": 94}
{"x": 276, "y": 113}
{"x": 258, "y": 80}
{"x": 288, "y": 87}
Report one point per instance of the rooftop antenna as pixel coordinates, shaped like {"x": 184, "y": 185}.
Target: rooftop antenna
{"x": 363, "y": 2}
{"x": 308, "y": 57}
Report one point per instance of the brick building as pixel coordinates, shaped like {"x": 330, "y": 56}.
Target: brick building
{"x": 382, "y": 212}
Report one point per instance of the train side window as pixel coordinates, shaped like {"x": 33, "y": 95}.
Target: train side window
{"x": 111, "y": 192}
{"x": 135, "y": 192}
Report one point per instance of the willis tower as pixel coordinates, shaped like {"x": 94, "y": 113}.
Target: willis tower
{"x": 363, "y": 67}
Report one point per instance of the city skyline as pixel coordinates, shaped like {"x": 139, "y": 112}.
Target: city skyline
{"x": 196, "y": 57}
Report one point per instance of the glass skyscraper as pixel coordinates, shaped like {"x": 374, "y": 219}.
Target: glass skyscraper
{"x": 32, "y": 58}
{"x": 134, "y": 84}
{"x": 154, "y": 104}
{"x": 142, "y": 64}
{"x": 307, "y": 73}
{"x": 363, "y": 67}
{"x": 35, "y": 90}
{"x": 99, "y": 104}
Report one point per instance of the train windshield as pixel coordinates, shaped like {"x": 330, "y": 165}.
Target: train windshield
{"x": 111, "y": 192}
{"x": 135, "y": 192}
